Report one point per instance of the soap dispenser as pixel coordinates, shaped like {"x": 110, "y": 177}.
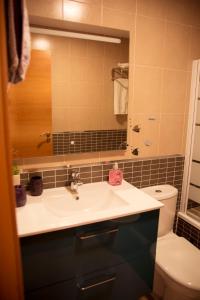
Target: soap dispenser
{"x": 115, "y": 175}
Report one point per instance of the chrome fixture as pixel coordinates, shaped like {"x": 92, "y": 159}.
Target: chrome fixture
{"x": 136, "y": 128}
{"x": 47, "y": 135}
{"x": 75, "y": 182}
{"x": 135, "y": 151}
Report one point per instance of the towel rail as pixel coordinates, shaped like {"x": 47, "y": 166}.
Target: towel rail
{"x": 119, "y": 72}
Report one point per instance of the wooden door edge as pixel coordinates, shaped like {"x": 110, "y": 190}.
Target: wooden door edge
{"x": 11, "y": 287}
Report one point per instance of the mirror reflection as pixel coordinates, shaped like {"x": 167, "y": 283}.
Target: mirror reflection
{"x": 74, "y": 98}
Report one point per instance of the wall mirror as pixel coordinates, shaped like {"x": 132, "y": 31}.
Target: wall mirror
{"x": 74, "y": 98}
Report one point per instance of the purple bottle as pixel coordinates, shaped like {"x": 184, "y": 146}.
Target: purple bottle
{"x": 20, "y": 195}
{"x": 36, "y": 186}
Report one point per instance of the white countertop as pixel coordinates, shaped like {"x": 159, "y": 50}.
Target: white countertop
{"x": 35, "y": 217}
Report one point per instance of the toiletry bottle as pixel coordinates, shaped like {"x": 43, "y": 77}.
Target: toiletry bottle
{"x": 115, "y": 175}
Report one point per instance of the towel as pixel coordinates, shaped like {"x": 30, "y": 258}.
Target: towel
{"x": 123, "y": 65}
{"x": 18, "y": 39}
{"x": 121, "y": 96}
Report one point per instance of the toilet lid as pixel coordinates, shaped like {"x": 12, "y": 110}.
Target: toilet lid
{"x": 180, "y": 260}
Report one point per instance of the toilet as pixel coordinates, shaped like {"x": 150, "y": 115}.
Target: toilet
{"x": 177, "y": 269}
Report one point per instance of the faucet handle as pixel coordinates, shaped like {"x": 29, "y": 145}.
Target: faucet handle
{"x": 75, "y": 174}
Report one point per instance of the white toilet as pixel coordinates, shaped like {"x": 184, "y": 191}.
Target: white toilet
{"x": 177, "y": 270}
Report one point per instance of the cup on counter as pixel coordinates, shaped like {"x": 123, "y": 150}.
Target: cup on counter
{"x": 36, "y": 186}
{"x": 20, "y": 195}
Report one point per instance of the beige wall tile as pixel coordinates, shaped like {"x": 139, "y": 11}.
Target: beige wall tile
{"x": 60, "y": 74}
{"x": 149, "y": 41}
{"x": 152, "y": 8}
{"x": 95, "y": 70}
{"x": 194, "y": 46}
{"x": 61, "y": 94}
{"x": 147, "y": 139}
{"x": 78, "y": 69}
{"x": 117, "y": 19}
{"x": 125, "y": 5}
{"x": 174, "y": 91}
{"x": 171, "y": 134}
{"x": 161, "y": 41}
{"x": 85, "y": 94}
{"x": 195, "y": 20}
{"x": 112, "y": 155}
{"x": 179, "y": 11}
{"x": 47, "y": 8}
{"x": 77, "y": 116}
{"x": 60, "y": 122}
{"x": 96, "y": 2}
{"x": 84, "y": 12}
{"x": 147, "y": 90}
{"x": 176, "y": 49}
{"x": 95, "y": 49}
{"x": 78, "y": 48}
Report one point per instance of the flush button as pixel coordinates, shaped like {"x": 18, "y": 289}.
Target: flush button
{"x": 158, "y": 191}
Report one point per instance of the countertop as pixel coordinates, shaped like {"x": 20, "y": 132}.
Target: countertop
{"x": 35, "y": 217}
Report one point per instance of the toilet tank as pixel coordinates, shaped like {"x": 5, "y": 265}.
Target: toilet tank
{"x": 167, "y": 194}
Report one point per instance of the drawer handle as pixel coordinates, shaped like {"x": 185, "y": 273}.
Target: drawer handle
{"x": 85, "y": 288}
{"x": 92, "y": 235}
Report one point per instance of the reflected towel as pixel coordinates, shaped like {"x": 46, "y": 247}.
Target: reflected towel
{"x": 121, "y": 96}
{"x": 18, "y": 39}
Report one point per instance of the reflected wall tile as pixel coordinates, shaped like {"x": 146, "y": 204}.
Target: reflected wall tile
{"x": 76, "y": 116}
{"x": 85, "y": 94}
{"x": 174, "y": 91}
{"x": 60, "y": 123}
{"x": 149, "y": 41}
{"x": 78, "y": 48}
{"x": 176, "y": 49}
{"x": 95, "y": 70}
{"x": 147, "y": 90}
{"x": 60, "y": 75}
{"x": 60, "y": 94}
{"x": 95, "y": 49}
{"x": 78, "y": 70}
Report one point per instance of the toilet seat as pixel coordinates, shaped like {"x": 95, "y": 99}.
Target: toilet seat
{"x": 171, "y": 255}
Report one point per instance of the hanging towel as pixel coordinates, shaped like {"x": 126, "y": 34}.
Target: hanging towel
{"x": 121, "y": 96}
{"x": 18, "y": 39}
{"x": 123, "y": 65}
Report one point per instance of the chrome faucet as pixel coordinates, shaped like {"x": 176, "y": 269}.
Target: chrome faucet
{"x": 75, "y": 181}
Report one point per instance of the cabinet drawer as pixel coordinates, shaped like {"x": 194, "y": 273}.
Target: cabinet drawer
{"x": 117, "y": 283}
{"x": 63, "y": 255}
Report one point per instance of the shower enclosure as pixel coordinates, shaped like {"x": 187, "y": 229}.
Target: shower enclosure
{"x": 191, "y": 183}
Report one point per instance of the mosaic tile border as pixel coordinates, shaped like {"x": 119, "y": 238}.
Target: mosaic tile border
{"x": 88, "y": 141}
{"x": 140, "y": 173}
{"x": 188, "y": 231}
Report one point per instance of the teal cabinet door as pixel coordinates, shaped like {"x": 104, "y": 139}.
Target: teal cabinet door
{"x": 68, "y": 254}
{"x": 117, "y": 283}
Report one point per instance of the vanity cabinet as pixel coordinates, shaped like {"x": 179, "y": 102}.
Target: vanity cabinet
{"x": 113, "y": 259}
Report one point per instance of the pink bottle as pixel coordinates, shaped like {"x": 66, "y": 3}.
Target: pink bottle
{"x": 115, "y": 175}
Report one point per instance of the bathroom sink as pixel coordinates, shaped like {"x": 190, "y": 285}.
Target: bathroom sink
{"x": 91, "y": 198}
{"x": 57, "y": 208}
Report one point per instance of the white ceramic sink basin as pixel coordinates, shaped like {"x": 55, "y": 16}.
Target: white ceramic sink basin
{"x": 58, "y": 209}
{"x": 92, "y": 197}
